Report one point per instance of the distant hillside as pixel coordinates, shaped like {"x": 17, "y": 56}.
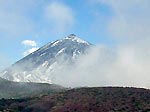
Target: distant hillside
{"x": 9, "y": 89}
{"x": 98, "y": 99}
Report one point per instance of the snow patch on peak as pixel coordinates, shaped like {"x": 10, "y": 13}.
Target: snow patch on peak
{"x": 73, "y": 37}
{"x": 4, "y": 72}
{"x": 46, "y": 46}
{"x": 61, "y": 51}
{"x": 42, "y": 54}
{"x": 55, "y": 43}
{"x": 76, "y": 54}
{"x": 45, "y": 64}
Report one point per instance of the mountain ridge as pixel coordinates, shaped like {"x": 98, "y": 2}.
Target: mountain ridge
{"x": 41, "y": 65}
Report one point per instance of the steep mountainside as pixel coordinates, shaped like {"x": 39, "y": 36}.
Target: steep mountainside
{"x": 42, "y": 65}
{"x": 99, "y": 99}
{"x": 10, "y": 89}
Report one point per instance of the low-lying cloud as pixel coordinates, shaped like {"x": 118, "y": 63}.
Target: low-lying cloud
{"x": 127, "y": 64}
{"x": 124, "y": 65}
{"x": 104, "y": 66}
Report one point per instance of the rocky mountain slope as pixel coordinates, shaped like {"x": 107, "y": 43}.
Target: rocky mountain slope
{"x": 97, "y": 99}
{"x": 9, "y": 89}
{"x": 42, "y": 65}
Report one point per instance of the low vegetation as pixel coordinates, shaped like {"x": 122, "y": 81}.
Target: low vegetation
{"x": 97, "y": 99}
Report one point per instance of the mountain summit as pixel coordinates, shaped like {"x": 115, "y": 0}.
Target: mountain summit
{"x": 41, "y": 65}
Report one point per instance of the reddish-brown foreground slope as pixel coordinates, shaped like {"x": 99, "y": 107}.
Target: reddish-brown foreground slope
{"x": 97, "y": 99}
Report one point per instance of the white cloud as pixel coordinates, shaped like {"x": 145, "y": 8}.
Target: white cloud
{"x": 30, "y": 51}
{"x": 104, "y": 66}
{"x": 128, "y": 63}
{"x": 29, "y": 43}
{"x": 130, "y": 19}
{"x": 60, "y": 16}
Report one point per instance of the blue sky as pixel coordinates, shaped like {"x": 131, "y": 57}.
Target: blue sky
{"x": 107, "y": 22}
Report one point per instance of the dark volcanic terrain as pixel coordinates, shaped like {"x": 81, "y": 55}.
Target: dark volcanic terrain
{"x": 97, "y": 99}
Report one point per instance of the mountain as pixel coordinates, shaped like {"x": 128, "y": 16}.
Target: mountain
{"x": 95, "y": 99}
{"x": 9, "y": 89}
{"x": 42, "y": 65}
